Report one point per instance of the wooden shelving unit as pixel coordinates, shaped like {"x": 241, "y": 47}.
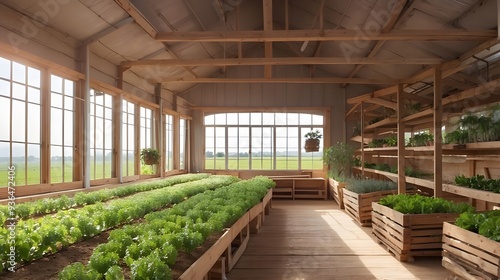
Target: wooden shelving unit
{"x": 474, "y": 157}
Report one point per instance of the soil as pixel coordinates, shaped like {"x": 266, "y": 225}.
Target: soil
{"x": 48, "y": 267}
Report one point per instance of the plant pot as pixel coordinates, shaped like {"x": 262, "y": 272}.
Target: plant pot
{"x": 312, "y": 145}
{"x": 149, "y": 161}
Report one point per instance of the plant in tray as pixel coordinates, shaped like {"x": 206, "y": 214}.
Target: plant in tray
{"x": 478, "y": 182}
{"x": 369, "y": 185}
{"x": 417, "y": 204}
{"x": 148, "y": 248}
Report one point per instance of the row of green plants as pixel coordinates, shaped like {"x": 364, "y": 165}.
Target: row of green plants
{"x": 361, "y": 186}
{"x": 48, "y": 234}
{"x": 50, "y": 205}
{"x": 418, "y": 204}
{"x": 486, "y": 223}
{"x": 478, "y": 182}
{"x": 483, "y": 127}
{"x": 391, "y": 141}
{"x": 150, "y": 248}
{"x": 410, "y": 172}
{"x": 420, "y": 139}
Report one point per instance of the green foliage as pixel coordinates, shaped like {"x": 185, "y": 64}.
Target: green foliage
{"x": 486, "y": 223}
{"x": 78, "y": 271}
{"x": 417, "y": 204}
{"x": 478, "y": 182}
{"x": 478, "y": 127}
{"x": 340, "y": 159}
{"x": 150, "y": 156}
{"x": 114, "y": 273}
{"x": 369, "y": 185}
{"x": 102, "y": 261}
{"x": 313, "y": 134}
{"x": 150, "y": 268}
{"x": 421, "y": 139}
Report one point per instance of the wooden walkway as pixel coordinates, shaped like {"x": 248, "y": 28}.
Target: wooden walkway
{"x": 315, "y": 240}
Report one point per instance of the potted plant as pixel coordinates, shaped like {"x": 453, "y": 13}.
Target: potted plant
{"x": 150, "y": 156}
{"x": 312, "y": 140}
{"x": 340, "y": 159}
{"x": 358, "y": 196}
{"x": 412, "y": 225}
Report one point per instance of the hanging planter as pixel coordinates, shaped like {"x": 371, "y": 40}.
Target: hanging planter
{"x": 150, "y": 156}
{"x": 312, "y": 141}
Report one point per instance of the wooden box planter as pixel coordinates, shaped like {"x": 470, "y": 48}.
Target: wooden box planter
{"x": 226, "y": 252}
{"x": 359, "y": 206}
{"x": 336, "y": 191}
{"x": 409, "y": 235}
{"x": 470, "y": 255}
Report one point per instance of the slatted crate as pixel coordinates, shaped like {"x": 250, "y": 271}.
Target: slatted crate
{"x": 470, "y": 255}
{"x": 359, "y": 206}
{"x": 409, "y": 235}
{"x": 336, "y": 191}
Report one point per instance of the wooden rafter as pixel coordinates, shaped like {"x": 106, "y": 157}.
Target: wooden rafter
{"x": 279, "y": 61}
{"x": 137, "y": 16}
{"x": 336, "y": 80}
{"x": 389, "y": 25}
{"x": 326, "y": 35}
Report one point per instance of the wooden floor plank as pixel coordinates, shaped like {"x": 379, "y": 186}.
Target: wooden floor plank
{"x": 312, "y": 239}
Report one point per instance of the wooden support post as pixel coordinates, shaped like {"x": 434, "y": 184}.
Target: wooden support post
{"x": 268, "y": 26}
{"x": 401, "y": 141}
{"x": 438, "y": 137}
{"x": 160, "y": 130}
{"x": 137, "y": 142}
{"x": 86, "y": 117}
{"x": 45, "y": 133}
{"x": 362, "y": 140}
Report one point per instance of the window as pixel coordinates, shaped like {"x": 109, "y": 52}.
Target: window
{"x": 146, "y": 123}
{"x": 169, "y": 143}
{"x": 128, "y": 138}
{"x": 62, "y": 114}
{"x": 20, "y": 116}
{"x": 182, "y": 144}
{"x": 101, "y": 135}
{"x": 260, "y": 141}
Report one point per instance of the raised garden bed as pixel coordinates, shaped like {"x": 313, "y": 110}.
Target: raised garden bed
{"x": 359, "y": 206}
{"x": 409, "y": 235}
{"x": 336, "y": 191}
{"x": 470, "y": 255}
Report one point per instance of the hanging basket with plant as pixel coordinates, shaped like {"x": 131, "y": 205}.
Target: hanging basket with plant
{"x": 312, "y": 140}
{"x": 150, "y": 156}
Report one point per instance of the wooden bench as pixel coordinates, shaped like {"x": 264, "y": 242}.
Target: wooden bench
{"x": 299, "y": 186}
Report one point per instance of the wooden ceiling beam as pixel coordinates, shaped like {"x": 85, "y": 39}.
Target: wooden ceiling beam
{"x": 279, "y": 80}
{"x": 137, "y": 16}
{"x": 280, "y": 61}
{"x": 326, "y": 35}
{"x": 375, "y": 94}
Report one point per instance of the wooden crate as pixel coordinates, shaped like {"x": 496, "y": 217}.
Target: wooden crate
{"x": 336, "y": 191}
{"x": 409, "y": 235}
{"x": 359, "y": 206}
{"x": 470, "y": 255}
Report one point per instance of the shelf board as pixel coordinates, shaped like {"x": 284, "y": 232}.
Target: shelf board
{"x": 388, "y": 122}
{"x": 358, "y": 139}
{"x": 472, "y": 193}
{"x": 393, "y": 177}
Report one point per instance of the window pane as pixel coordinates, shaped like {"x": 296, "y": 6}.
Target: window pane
{"x": 33, "y": 123}
{"x": 99, "y": 133}
{"x": 69, "y": 87}
{"x": 19, "y": 72}
{"x": 244, "y": 118}
{"x": 99, "y": 111}
{"x": 293, "y": 119}
{"x": 56, "y": 84}
{"x": 56, "y": 118}
{"x": 34, "y": 77}
{"x": 68, "y": 164}
{"x": 19, "y": 161}
{"x": 56, "y": 164}
{"x": 5, "y": 119}
{"x": 4, "y": 161}
{"x": 256, "y": 118}
{"x": 68, "y": 128}
{"x": 4, "y": 88}
{"x": 281, "y": 118}
{"x": 220, "y": 119}
{"x": 108, "y": 135}
{"x": 34, "y": 95}
{"x": 268, "y": 118}
{"x": 18, "y": 121}
{"x": 209, "y": 120}
{"x": 68, "y": 103}
{"x": 108, "y": 163}
{"x": 33, "y": 164}
{"x": 18, "y": 91}
{"x": 56, "y": 100}
{"x": 4, "y": 68}
{"x": 317, "y": 120}
{"x": 232, "y": 118}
